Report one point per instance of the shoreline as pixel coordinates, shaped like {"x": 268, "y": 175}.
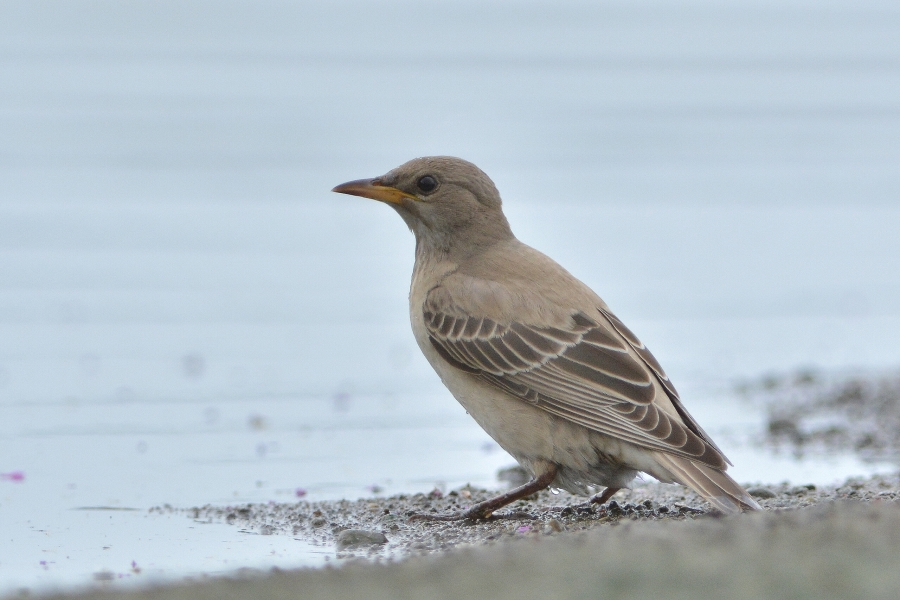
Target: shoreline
{"x": 545, "y": 513}
{"x": 822, "y": 542}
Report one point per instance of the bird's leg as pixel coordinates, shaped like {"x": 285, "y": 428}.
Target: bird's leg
{"x": 601, "y": 498}
{"x": 604, "y": 496}
{"x": 483, "y": 510}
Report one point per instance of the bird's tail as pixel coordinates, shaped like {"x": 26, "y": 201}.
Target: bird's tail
{"x": 716, "y": 486}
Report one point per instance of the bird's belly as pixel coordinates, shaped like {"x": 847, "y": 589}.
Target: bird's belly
{"x": 519, "y": 428}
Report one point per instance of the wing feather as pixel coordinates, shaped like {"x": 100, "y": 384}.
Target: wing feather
{"x": 593, "y": 372}
{"x": 651, "y": 362}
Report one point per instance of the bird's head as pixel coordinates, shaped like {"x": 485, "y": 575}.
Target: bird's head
{"x": 447, "y": 202}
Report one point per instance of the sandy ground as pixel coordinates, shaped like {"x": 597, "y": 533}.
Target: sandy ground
{"x": 652, "y": 541}
{"x": 831, "y": 542}
{"x": 342, "y": 524}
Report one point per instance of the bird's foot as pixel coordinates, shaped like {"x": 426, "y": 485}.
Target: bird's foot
{"x": 469, "y": 515}
{"x": 485, "y": 510}
{"x": 479, "y": 512}
{"x": 603, "y": 497}
{"x": 585, "y": 507}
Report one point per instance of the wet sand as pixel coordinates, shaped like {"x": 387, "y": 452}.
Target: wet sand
{"x": 812, "y": 413}
{"x": 544, "y": 513}
{"x": 825, "y": 542}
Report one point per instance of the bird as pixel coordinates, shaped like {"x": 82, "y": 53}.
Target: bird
{"x": 534, "y": 355}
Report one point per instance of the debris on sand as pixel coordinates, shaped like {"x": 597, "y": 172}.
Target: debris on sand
{"x": 356, "y": 538}
{"x": 810, "y": 542}
{"x": 382, "y": 527}
{"x": 808, "y": 412}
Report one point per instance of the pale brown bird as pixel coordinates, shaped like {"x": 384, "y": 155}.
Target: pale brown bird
{"x": 533, "y": 354}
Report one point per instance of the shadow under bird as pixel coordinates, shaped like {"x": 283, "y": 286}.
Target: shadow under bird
{"x": 533, "y": 354}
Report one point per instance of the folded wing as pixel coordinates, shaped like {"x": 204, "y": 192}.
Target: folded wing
{"x": 593, "y": 372}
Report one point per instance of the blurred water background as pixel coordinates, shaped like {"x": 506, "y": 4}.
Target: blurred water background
{"x": 189, "y": 316}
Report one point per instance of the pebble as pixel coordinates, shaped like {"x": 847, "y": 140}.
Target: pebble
{"x": 354, "y": 538}
{"x": 761, "y": 492}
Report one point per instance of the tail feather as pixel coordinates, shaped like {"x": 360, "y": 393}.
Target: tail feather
{"x": 716, "y": 486}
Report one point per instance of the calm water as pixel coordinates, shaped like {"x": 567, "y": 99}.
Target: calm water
{"x": 189, "y": 316}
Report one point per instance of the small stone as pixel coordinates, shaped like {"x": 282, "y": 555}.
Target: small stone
{"x": 688, "y": 510}
{"x": 614, "y": 509}
{"x": 555, "y": 525}
{"x": 353, "y": 538}
{"x": 761, "y": 492}
{"x": 513, "y": 476}
{"x": 318, "y": 522}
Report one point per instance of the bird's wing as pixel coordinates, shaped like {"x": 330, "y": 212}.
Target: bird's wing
{"x": 593, "y": 372}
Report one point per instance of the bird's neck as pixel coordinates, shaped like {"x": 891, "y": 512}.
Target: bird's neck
{"x": 455, "y": 247}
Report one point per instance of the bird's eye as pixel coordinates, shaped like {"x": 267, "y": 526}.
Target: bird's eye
{"x": 427, "y": 183}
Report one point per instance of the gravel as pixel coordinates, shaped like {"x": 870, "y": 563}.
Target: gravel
{"x": 381, "y": 527}
{"x": 655, "y": 541}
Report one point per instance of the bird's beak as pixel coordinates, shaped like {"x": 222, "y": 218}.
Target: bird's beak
{"x": 372, "y": 188}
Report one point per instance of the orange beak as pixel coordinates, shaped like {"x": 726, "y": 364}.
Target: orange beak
{"x": 372, "y": 188}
